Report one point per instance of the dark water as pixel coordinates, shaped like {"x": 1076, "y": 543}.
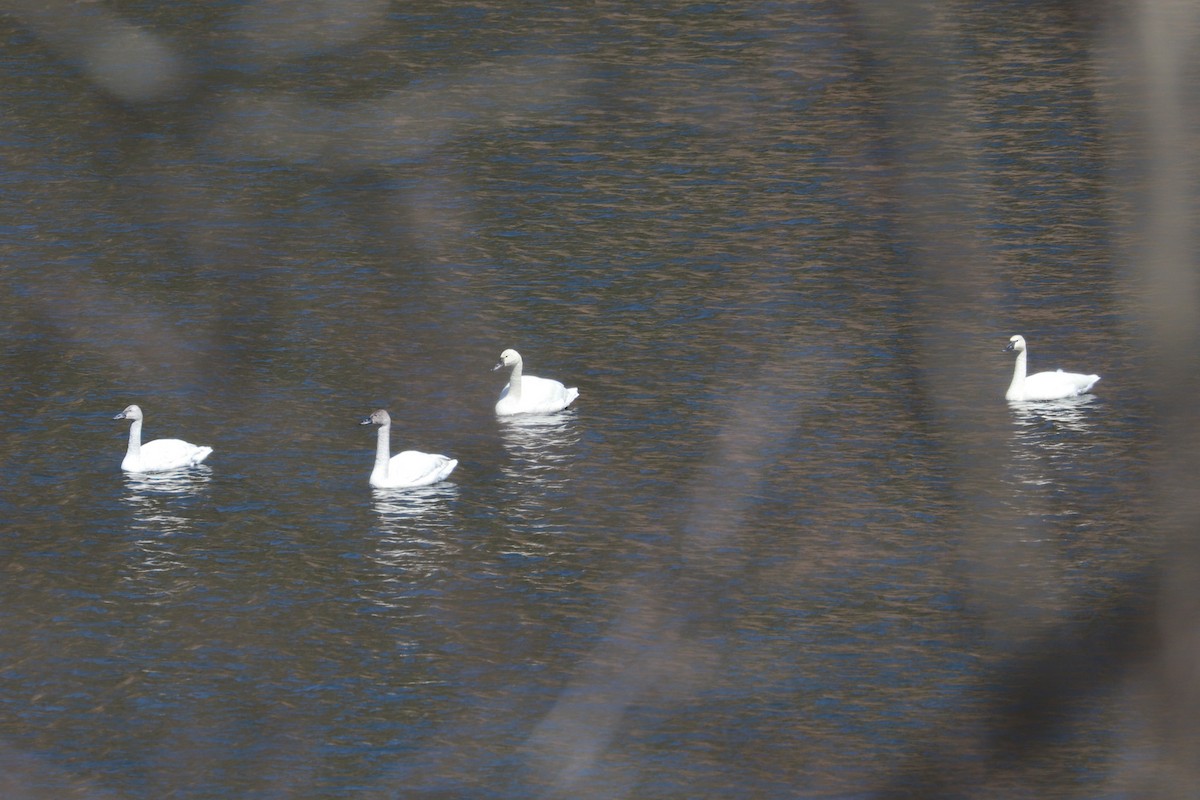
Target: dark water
{"x": 748, "y": 563}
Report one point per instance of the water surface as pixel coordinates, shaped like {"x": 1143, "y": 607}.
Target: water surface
{"x": 760, "y": 557}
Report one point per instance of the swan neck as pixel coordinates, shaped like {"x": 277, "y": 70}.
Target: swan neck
{"x": 135, "y": 439}
{"x": 514, "y": 381}
{"x": 382, "y": 453}
{"x": 1018, "y": 372}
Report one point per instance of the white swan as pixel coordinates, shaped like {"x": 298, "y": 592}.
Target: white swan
{"x": 528, "y": 394}
{"x": 407, "y": 469}
{"x": 160, "y": 455}
{"x": 1043, "y": 385}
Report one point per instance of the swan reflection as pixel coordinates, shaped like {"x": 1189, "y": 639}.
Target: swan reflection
{"x": 544, "y": 439}
{"x": 141, "y": 484}
{"x": 398, "y": 506}
{"x": 1046, "y": 439}
{"x": 159, "y": 502}
{"x": 154, "y": 497}
{"x": 1070, "y": 414}
{"x": 415, "y": 540}
{"x": 541, "y": 448}
{"x": 538, "y": 479}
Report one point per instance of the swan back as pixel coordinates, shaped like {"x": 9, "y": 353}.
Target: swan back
{"x": 529, "y": 394}
{"x": 414, "y": 468}
{"x": 161, "y": 455}
{"x": 1056, "y": 385}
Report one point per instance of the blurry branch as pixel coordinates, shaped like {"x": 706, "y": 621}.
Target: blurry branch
{"x": 137, "y": 65}
{"x": 656, "y": 653}
{"x": 1060, "y": 672}
{"x": 128, "y": 62}
{"x": 396, "y": 130}
{"x": 1166, "y": 36}
{"x": 939, "y": 193}
{"x": 1163, "y": 54}
{"x": 1033, "y": 696}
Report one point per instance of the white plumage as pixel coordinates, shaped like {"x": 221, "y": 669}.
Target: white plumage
{"x": 1043, "y": 385}
{"x": 527, "y": 394}
{"x": 160, "y": 455}
{"x": 406, "y": 469}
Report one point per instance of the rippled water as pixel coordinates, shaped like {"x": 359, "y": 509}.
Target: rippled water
{"x": 748, "y": 562}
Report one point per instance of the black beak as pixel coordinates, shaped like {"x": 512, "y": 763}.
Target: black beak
{"x": 366, "y": 421}
{"x": 1009, "y": 348}
{"x": 120, "y": 416}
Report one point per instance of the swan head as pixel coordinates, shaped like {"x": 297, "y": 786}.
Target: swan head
{"x": 508, "y": 358}
{"x": 1015, "y": 345}
{"x": 130, "y": 413}
{"x": 379, "y": 417}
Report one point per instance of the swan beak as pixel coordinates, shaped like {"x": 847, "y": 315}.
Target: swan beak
{"x": 120, "y": 416}
{"x": 1008, "y": 348}
{"x": 499, "y": 365}
{"x": 365, "y": 421}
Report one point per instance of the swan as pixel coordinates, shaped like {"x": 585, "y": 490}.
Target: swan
{"x": 160, "y": 455}
{"x": 407, "y": 469}
{"x": 527, "y": 394}
{"x": 1043, "y": 385}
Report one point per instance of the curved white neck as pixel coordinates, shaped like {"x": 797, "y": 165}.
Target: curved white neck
{"x": 382, "y": 454}
{"x": 514, "y": 382}
{"x": 1018, "y": 372}
{"x": 135, "y": 439}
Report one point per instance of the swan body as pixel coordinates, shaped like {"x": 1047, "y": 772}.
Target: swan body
{"x": 407, "y": 469}
{"x": 160, "y": 455}
{"x": 526, "y": 394}
{"x": 1043, "y": 385}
